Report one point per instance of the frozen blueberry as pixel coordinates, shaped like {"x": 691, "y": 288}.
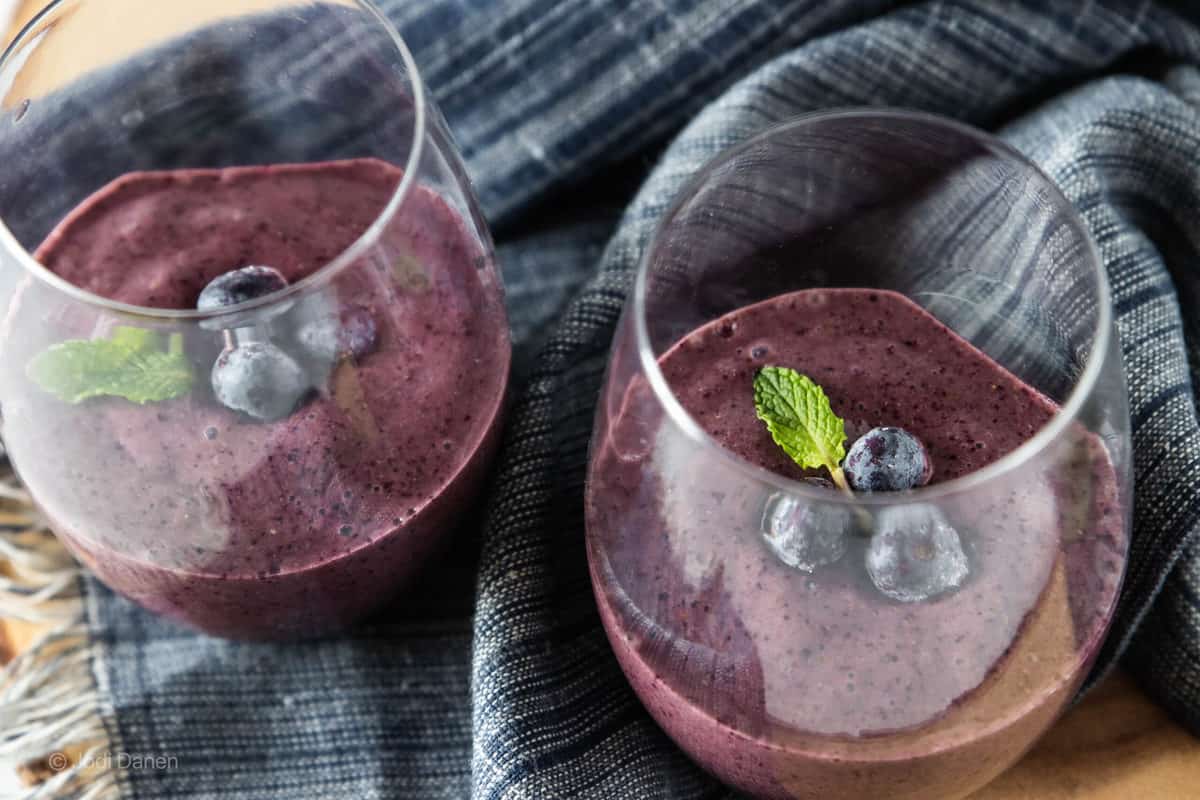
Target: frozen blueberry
{"x": 259, "y": 380}
{"x": 332, "y": 335}
{"x": 239, "y": 286}
{"x": 887, "y": 460}
{"x": 915, "y": 554}
{"x": 805, "y": 535}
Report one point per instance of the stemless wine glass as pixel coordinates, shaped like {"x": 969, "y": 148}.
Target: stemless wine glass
{"x": 799, "y": 643}
{"x": 279, "y": 466}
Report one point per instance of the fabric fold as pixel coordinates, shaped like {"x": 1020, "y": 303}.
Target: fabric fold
{"x": 580, "y": 120}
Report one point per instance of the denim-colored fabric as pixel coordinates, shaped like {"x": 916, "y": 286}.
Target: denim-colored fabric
{"x": 579, "y": 120}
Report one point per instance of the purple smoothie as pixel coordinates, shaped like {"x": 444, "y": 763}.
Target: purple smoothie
{"x": 795, "y": 685}
{"x": 295, "y": 527}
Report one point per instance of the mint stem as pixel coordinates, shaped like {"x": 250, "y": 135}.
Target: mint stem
{"x": 839, "y": 479}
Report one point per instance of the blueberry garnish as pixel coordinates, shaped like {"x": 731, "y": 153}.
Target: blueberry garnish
{"x": 259, "y": 380}
{"x": 239, "y": 286}
{"x": 805, "y": 535}
{"x": 887, "y": 460}
{"x": 332, "y": 335}
{"x": 915, "y": 554}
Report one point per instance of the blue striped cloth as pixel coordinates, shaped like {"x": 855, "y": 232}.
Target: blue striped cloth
{"x": 579, "y": 120}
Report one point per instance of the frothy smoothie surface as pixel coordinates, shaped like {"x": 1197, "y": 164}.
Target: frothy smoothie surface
{"x": 246, "y": 527}
{"x": 796, "y": 684}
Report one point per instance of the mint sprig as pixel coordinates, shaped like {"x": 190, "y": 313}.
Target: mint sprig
{"x": 801, "y": 420}
{"x": 131, "y": 364}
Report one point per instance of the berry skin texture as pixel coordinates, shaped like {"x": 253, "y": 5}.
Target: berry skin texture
{"x": 332, "y": 335}
{"x": 259, "y": 380}
{"x": 887, "y": 460}
{"x": 240, "y": 285}
{"x": 915, "y": 554}
{"x": 805, "y": 535}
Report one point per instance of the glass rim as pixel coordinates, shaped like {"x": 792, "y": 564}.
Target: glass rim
{"x": 1064, "y": 416}
{"x": 351, "y": 254}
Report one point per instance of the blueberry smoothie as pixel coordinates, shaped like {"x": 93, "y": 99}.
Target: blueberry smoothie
{"x": 328, "y": 441}
{"x": 796, "y": 665}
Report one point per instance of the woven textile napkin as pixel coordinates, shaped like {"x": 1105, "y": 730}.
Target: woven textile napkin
{"x": 579, "y": 120}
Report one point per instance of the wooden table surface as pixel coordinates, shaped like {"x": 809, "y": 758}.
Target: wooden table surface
{"x": 1115, "y": 745}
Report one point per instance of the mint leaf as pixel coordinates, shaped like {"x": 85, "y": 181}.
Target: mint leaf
{"x": 134, "y": 338}
{"x": 151, "y": 378}
{"x": 78, "y": 369}
{"x": 801, "y": 421}
{"x": 129, "y": 364}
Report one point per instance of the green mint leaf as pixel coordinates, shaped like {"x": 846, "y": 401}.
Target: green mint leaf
{"x": 130, "y": 364}
{"x": 151, "y": 378}
{"x": 78, "y": 369}
{"x": 800, "y": 419}
{"x": 137, "y": 339}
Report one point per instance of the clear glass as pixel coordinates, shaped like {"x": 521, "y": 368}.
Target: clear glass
{"x": 337, "y": 171}
{"x": 793, "y": 675}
